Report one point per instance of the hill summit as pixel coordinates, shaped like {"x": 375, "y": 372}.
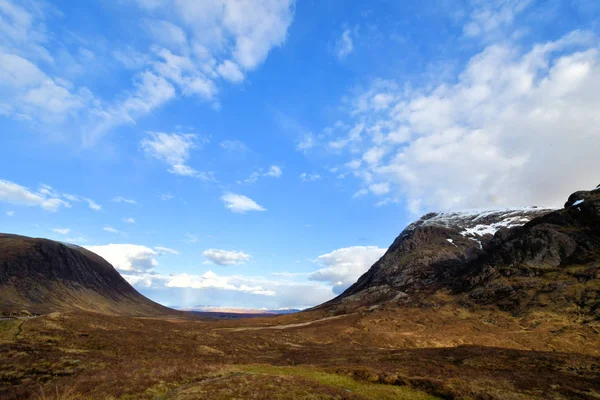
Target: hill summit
{"x": 517, "y": 260}
{"x": 40, "y": 276}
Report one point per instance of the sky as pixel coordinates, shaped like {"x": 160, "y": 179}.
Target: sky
{"x": 265, "y": 153}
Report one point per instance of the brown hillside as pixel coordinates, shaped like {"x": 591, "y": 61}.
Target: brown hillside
{"x": 40, "y": 276}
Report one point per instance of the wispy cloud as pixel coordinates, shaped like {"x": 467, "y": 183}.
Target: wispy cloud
{"x": 110, "y": 229}
{"x": 174, "y": 150}
{"x": 181, "y": 59}
{"x": 120, "y": 199}
{"x": 13, "y": 193}
{"x": 166, "y": 250}
{"x": 345, "y": 44}
{"x": 274, "y": 172}
{"x": 234, "y": 145}
{"x": 240, "y": 204}
{"x": 225, "y": 257}
{"x": 305, "y": 177}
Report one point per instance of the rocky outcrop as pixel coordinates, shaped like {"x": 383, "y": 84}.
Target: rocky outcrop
{"x": 40, "y": 275}
{"x": 518, "y": 260}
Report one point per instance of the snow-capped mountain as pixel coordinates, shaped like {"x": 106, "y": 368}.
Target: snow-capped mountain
{"x": 508, "y": 258}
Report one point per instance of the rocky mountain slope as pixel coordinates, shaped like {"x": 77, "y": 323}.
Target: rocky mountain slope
{"x": 40, "y": 276}
{"x": 518, "y": 260}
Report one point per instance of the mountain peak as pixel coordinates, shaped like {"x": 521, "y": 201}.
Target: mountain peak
{"x": 41, "y": 275}
{"x": 486, "y": 256}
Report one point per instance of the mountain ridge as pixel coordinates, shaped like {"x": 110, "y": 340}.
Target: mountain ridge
{"x": 40, "y": 275}
{"x": 503, "y": 258}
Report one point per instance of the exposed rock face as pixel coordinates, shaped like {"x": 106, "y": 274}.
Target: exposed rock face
{"x": 39, "y": 276}
{"x": 516, "y": 259}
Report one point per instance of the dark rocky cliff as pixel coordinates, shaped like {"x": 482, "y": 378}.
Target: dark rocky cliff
{"x": 518, "y": 260}
{"x": 40, "y": 275}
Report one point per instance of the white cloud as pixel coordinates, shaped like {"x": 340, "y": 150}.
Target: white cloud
{"x": 240, "y": 204}
{"x": 129, "y": 220}
{"x": 45, "y": 197}
{"x": 62, "y": 231}
{"x": 225, "y": 257}
{"x": 344, "y": 45}
{"x": 252, "y": 178}
{"x": 16, "y": 194}
{"x": 190, "y": 46}
{"x": 304, "y": 177}
{"x": 360, "y": 193}
{"x": 166, "y": 250}
{"x": 214, "y": 281}
{"x": 92, "y": 204}
{"x": 379, "y": 188}
{"x": 230, "y": 71}
{"x": 127, "y": 257}
{"x": 120, "y": 199}
{"x": 502, "y": 134}
{"x": 165, "y": 33}
{"x": 28, "y": 93}
{"x": 112, "y": 230}
{"x": 174, "y": 150}
{"x": 274, "y": 171}
{"x": 190, "y": 290}
{"x": 306, "y": 143}
{"x": 344, "y": 266}
{"x": 353, "y": 138}
{"x": 233, "y": 145}
{"x": 71, "y": 197}
{"x": 491, "y": 19}
{"x": 205, "y": 40}
{"x": 10, "y": 213}
{"x": 166, "y": 196}
{"x": 150, "y": 91}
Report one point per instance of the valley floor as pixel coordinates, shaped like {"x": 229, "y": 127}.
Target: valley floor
{"x": 387, "y": 353}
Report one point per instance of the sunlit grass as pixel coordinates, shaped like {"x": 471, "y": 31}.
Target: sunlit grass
{"x": 361, "y": 388}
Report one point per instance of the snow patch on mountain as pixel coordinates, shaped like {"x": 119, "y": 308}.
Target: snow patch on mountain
{"x": 475, "y": 224}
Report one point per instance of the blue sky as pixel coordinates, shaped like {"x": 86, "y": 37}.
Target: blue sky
{"x": 263, "y": 154}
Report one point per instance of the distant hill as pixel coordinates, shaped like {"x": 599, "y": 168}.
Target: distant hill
{"x": 40, "y": 276}
{"x": 516, "y": 260}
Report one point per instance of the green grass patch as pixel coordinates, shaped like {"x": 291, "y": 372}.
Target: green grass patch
{"x": 368, "y": 390}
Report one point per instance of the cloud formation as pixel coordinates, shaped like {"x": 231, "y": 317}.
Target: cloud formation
{"x": 174, "y": 150}
{"x": 344, "y": 266}
{"x": 225, "y": 257}
{"x": 13, "y": 193}
{"x": 513, "y": 129}
{"x": 127, "y": 257}
{"x": 240, "y": 204}
{"x": 192, "y": 49}
{"x": 273, "y": 172}
{"x": 110, "y": 229}
{"x": 305, "y": 177}
{"x": 121, "y": 199}
{"x": 344, "y": 45}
